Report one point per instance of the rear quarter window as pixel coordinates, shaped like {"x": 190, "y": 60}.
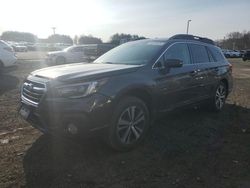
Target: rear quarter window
{"x": 217, "y": 54}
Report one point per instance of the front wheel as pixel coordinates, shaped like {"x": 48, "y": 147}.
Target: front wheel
{"x": 129, "y": 124}
{"x": 219, "y": 98}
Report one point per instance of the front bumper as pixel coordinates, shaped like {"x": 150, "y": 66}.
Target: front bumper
{"x": 55, "y": 115}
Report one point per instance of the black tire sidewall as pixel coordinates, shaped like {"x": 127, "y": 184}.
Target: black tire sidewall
{"x": 124, "y": 103}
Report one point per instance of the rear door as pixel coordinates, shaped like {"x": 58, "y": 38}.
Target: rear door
{"x": 216, "y": 68}
{"x": 202, "y": 60}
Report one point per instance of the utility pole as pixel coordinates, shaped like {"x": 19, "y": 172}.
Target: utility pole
{"x": 188, "y": 25}
{"x": 54, "y": 30}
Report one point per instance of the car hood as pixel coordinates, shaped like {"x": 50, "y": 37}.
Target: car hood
{"x": 80, "y": 70}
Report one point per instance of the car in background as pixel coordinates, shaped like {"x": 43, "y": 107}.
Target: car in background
{"x": 246, "y": 55}
{"x": 77, "y": 54}
{"x": 31, "y": 46}
{"x": 7, "y": 55}
{"x": 242, "y": 52}
{"x": 236, "y": 53}
{"x": 20, "y": 48}
{"x": 226, "y": 53}
{"x": 231, "y": 53}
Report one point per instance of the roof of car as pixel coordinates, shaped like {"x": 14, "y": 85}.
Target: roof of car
{"x": 186, "y": 38}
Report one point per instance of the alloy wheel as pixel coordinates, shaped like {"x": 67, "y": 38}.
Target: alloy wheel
{"x": 220, "y": 97}
{"x": 131, "y": 124}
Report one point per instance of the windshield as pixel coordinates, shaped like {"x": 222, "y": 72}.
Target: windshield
{"x": 133, "y": 53}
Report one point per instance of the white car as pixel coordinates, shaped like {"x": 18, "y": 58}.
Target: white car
{"x": 71, "y": 54}
{"x": 7, "y": 55}
{"x": 231, "y": 53}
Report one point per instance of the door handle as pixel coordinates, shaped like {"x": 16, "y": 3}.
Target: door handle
{"x": 216, "y": 69}
{"x": 195, "y": 72}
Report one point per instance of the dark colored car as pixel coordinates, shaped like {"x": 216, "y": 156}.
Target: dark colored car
{"x": 122, "y": 91}
{"x": 246, "y": 55}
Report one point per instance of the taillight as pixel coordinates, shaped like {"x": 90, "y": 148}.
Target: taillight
{"x": 9, "y": 49}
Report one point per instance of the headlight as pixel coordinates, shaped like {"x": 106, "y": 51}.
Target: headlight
{"x": 77, "y": 90}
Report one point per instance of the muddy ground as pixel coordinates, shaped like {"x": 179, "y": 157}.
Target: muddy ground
{"x": 185, "y": 149}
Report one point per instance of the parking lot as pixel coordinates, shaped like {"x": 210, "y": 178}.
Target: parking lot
{"x": 190, "y": 148}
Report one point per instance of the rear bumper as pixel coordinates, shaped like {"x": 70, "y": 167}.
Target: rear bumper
{"x": 56, "y": 116}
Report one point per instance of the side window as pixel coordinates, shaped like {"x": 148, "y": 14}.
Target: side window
{"x": 216, "y": 53}
{"x": 77, "y": 49}
{"x": 178, "y": 51}
{"x": 199, "y": 53}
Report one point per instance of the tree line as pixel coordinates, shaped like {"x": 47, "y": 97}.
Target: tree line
{"x": 115, "y": 39}
{"x": 236, "y": 41}
{"x": 17, "y": 36}
{"x": 233, "y": 40}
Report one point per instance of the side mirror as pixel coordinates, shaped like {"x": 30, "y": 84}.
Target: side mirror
{"x": 172, "y": 63}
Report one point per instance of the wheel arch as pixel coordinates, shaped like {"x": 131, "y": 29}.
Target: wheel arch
{"x": 141, "y": 93}
{"x": 225, "y": 81}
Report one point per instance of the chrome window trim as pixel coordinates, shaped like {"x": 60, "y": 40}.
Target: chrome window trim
{"x": 173, "y": 45}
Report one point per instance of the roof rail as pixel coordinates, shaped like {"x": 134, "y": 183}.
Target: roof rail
{"x": 191, "y": 37}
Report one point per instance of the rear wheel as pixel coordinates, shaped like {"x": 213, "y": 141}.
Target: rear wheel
{"x": 129, "y": 124}
{"x": 219, "y": 98}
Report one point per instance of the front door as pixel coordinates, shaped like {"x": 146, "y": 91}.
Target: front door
{"x": 76, "y": 54}
{"x": 176, "y": 86}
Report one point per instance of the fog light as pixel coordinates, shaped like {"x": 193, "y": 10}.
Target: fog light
{"x": 72, "y": 128}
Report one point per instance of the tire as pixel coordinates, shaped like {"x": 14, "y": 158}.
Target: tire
{"x": 60, "y": 60}
{"x": 129, "y": 125}
{"x": 219, "y": 98}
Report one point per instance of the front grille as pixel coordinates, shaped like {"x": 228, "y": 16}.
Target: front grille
{"x": 33, "y": 92}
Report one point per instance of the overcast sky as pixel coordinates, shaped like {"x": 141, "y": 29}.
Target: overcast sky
{"x": 102, "y": 18}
